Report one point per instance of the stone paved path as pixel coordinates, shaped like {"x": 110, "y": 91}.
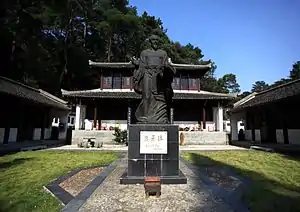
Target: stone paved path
{"x": 124, "y": 148}
{"x": 193, "y": 196}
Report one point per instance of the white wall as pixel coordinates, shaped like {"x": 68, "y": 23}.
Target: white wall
{"x": 248, "y": 135}
{"x": 204, "y": 138}
{"x": 294, "y": 136}
{"x": 47, "y": 134}
{"x": 279, "y": 136}
{"x": 63, "y": 118}
{"x": 235, "y": 118}
{"x": 113, "y": 123}
{"x": 257, "y": 135}
{"x": 2, "y": 131}
{"x": 13, "y": 132}
{"x": 210, "y": 125}
{"x": 218, "y": 118}
{"x": 37, "y": 134}
{"x": 80, "y": 116}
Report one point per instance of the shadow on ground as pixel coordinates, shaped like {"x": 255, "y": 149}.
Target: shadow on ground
{"x": 15, "y": 162}
{"x": 258, "y": 192}
{"x": 6, "y": 206}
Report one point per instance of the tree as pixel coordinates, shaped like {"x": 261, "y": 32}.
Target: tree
{"x": 229, "y": 84}
{"x": 280, "y": 82}
{"x": 259, "y": 86}
{"x": 47, "y": 44}
{"x": 295, "y": 72}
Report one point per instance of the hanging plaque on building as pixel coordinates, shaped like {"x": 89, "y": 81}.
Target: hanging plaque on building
{"x": 153, "y": 142}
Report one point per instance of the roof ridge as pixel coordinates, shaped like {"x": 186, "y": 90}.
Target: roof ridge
{"x": 52, "y": 97}
{"x": 245, "y": 99}
{"x": 279, "y": 86}
{"x": 19, "y": 83}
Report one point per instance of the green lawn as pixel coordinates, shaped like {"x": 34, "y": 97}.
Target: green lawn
{"x": 276, "y": 177}
{"x": 23, "y": 175}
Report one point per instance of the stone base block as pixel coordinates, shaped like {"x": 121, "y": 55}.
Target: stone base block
{"x": 179, "y": 179}
{"x": 153, "y": 150}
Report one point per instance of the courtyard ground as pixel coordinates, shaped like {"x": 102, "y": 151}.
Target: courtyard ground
{"x": 23, "y": 175}
{"x": 275, "y": 178}
{"x": 269, "y": 181}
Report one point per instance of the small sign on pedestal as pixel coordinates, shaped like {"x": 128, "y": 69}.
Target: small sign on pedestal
{"x": 153, "y": 142}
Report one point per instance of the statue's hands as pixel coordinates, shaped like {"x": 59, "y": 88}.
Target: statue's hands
{"x": 134, "y": 61}
{"x": 169, "y": 60}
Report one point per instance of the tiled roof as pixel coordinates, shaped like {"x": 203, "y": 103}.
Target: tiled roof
{"x": 20, "y": 90}
{"x": 277, "y": 93}
{"x": 204, "y": 66}
{"x": 98, "y": 93}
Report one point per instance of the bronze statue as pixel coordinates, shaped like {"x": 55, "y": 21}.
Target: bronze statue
{"x": 152, "y": 79}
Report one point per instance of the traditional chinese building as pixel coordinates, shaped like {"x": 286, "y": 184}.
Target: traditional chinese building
{"x": 114, "y": 101}
{"x": 271, "y": 116}
{"x": 26, "y": 113}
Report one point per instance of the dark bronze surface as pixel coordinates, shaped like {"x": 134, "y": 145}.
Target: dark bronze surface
{"x": 153, "y": 80}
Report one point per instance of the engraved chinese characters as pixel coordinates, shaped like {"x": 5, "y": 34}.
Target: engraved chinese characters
{"x": 153, "y": 142}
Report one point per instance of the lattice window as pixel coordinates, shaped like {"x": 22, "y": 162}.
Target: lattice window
{"x": 117, "y": 80}
{"x": 184, "y": 82}
{"x": 107, "y": 81}
{"x": 176, "y": 83}
{"x": 193, "y": 84}
{"x": 126, "y": 82}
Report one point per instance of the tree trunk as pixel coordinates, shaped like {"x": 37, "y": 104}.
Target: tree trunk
{"x": 109, "y": 49}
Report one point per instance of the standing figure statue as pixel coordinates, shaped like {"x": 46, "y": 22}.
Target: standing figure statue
{"x": 152, "y": 79}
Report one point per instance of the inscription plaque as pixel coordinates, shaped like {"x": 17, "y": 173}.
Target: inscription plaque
{"x": 153, "y": 142}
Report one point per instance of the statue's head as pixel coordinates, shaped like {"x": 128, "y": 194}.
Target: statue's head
{"x": 154, "y": 41}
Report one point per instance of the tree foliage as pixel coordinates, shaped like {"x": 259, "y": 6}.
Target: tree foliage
{"x": 229, "y": 84}
{"x": 295, "y": 72}
{"x": 47, "y": 44}
{"x": 259, "y": 86}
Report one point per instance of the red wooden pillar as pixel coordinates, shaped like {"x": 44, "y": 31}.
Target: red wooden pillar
{"x": 204, "y": 117}
{"x": 95, "y": 116}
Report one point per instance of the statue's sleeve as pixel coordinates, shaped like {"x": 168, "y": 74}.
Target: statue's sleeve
{"x": 167, "y": 64}
{"x": 138, "y": 75}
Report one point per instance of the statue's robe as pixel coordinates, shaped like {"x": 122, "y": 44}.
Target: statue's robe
{"x": 153, "y": 81}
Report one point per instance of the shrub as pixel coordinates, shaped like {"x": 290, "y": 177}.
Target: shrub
{"x": 120, "y": 135}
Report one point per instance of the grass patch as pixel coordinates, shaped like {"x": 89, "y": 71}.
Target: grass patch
{"x": 276, "y": 178}
{"x": 23, "y": 175}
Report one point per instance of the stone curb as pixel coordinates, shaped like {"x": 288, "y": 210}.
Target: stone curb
{"x": 81, "y": 198}
{"x": 55, "y": 190}
{"x": 86, "y": 150}
{"x": 209, "y": 150}
{"x": 233, "y": 199}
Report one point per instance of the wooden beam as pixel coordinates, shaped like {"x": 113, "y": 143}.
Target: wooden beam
{"x": 204, "y": 115}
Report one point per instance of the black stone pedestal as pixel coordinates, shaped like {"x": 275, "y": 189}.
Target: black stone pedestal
{"x": 165, "y": 165}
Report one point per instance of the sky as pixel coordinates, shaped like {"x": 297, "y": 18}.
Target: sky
{"x": 253, "y": 39}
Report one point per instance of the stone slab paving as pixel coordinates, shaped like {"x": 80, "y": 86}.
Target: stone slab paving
{"x": 199, "y": 194}
{"x": 123, "y": 148}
